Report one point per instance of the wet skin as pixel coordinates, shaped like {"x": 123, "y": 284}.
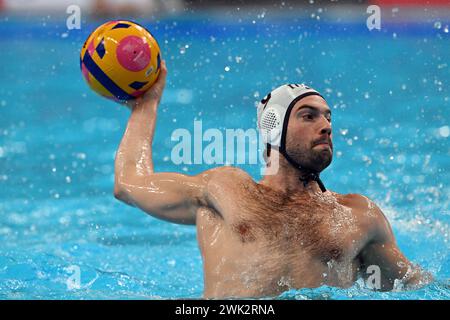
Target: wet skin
{"x": 262, "y": 238}
{"x": 257, "y": 241}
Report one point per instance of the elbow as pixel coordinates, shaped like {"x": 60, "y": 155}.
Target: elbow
{"x": 122, "y": 195}
{"x": 119, "y": 192}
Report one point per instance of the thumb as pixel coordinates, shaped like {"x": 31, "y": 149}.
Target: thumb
{"x": 156, "y": 90}
{"x": 161, "y": 82}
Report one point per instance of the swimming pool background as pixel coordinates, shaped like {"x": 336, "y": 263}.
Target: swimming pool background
{"x": 388, "y": 91}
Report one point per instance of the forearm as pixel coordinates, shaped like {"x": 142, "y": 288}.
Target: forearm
{"x": 134, "y": 156}
{"x": 167, "y": 196}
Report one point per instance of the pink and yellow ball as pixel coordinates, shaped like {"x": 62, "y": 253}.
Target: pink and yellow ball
{"x": 120, "y": 60}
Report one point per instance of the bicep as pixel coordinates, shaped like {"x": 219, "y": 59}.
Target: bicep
{"x": 169, "y": 196}
{"x": 388, "y": 259}
{"x": 383, "y": 253}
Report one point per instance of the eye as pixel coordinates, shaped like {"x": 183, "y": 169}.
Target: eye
{"x": 308, "y": 116}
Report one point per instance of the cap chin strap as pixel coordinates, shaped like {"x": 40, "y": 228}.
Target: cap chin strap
{"x": 310, "y": 175}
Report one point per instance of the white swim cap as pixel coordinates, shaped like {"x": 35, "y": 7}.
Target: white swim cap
{"x": 273, "y": 118}
{"x": 274, "y": 111}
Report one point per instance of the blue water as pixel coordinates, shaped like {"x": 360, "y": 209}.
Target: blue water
{"x": 389, "y": 92}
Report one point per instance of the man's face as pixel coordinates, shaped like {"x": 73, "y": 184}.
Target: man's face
{"x": 308, "y": 137}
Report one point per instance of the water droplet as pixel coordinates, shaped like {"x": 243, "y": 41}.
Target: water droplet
{"x": 171, "y": 262}
{"x": 80, "y": 155}
{"x": 444, "y": 131}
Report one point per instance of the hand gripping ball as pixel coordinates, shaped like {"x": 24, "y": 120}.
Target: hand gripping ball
{"x": 120, "y": 60}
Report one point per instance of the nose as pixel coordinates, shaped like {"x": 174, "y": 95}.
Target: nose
{"x": 325, "y": 127}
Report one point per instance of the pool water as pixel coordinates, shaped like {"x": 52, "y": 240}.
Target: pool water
{"x": 389, "y": 92}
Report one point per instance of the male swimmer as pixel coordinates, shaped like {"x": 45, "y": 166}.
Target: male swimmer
{"x": 284, "y": 232}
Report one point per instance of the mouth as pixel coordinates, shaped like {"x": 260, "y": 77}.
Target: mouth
{"x": 323, "y": 143}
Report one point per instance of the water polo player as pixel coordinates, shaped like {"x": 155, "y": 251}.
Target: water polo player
{"x": 284, "y": 232}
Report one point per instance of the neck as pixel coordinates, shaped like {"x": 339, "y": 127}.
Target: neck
{"x": 287, "y": 178}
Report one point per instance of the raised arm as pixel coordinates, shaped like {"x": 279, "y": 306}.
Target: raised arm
{"x": 382, "y": 251}
{"x": 170, "y": 196}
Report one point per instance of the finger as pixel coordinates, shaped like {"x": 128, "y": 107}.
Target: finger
{"x": 155, "y": 91}
{"x": 164, "y": 66}
{"x": 162, "y": 74}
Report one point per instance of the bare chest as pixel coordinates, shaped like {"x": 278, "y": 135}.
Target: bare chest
{"x": 273, "y": 250}
{"x": 321, "y": 229}
{"x": 263, "y": 238}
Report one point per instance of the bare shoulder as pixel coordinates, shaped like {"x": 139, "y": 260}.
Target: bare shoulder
{"x": 225, "y": 188}
{"x": 229, "y": 183}
{"x": 364, "y": 208}
{"x": 357, "y": 201}
{"x": 371, "y": 217}
{"x": 228, "y": 175}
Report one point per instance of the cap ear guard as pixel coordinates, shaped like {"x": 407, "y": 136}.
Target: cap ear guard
{"x": 271, "y": 125}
